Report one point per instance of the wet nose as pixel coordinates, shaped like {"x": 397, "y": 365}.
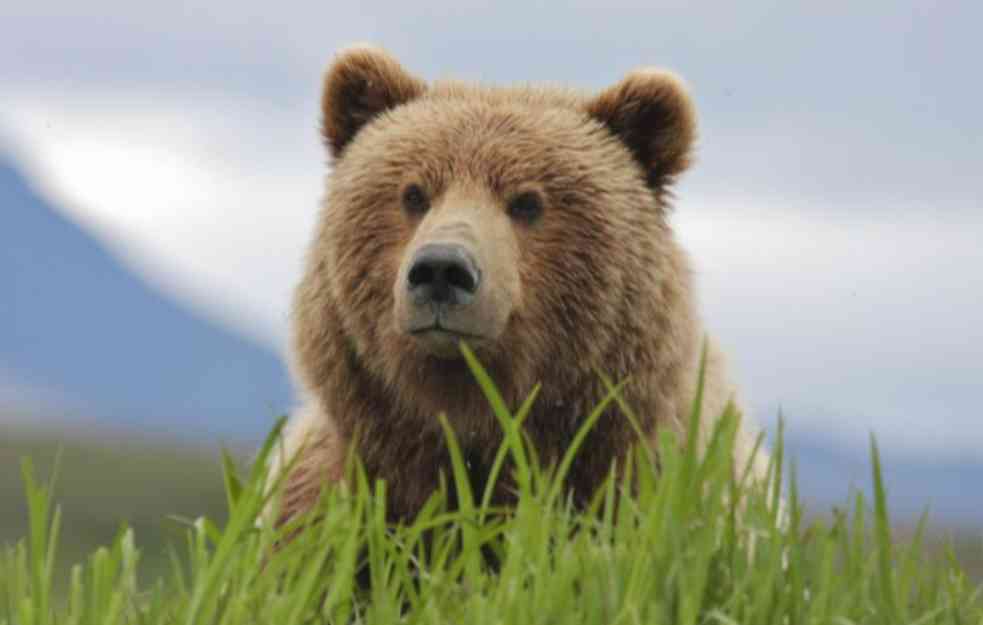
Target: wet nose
{"x": 443, "y": 273}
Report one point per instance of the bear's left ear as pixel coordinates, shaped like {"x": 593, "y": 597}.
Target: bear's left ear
{"x": 651, "y": 113}
{"x": 361, "y": 83}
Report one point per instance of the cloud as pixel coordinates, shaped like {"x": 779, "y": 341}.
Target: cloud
{"x": 850, "y": 323}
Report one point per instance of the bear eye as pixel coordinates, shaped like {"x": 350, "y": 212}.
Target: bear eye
{"x": 527, "y": 206}
{"x": 415, "y": 200}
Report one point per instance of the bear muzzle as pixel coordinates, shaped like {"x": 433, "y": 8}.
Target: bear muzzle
{"x": 442, "y": 295}
{"x": 443, "y": 275}
{"x": 457, "y": 277}
{"x": 443, "y": 299}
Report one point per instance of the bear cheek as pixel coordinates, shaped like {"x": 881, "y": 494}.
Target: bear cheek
{"x": 570, "y": 291}
{"x": 363, "y": 270}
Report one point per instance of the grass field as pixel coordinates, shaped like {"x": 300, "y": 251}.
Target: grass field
{"x": 675, "y": 548}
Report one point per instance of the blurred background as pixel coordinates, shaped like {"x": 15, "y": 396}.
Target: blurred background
{"x": 160, "y": 170}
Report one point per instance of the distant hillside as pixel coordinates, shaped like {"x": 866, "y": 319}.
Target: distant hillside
{"x": 105, "y": 480}
{"x": 948, "y": 488}
{"x": 78, "y": 327}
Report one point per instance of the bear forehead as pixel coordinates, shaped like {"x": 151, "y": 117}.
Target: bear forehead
{"x": 481, "y": 113}
{"x": 503, "y": 136}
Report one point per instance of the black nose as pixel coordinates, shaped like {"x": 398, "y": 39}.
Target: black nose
{"x": 443, "y": 274}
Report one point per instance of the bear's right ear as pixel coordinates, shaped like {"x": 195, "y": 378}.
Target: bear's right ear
{"x": 361, "y": 83}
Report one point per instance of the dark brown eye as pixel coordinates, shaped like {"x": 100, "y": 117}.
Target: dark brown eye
{"x": 527, "y": 207}
{"x": 415, "y": 200}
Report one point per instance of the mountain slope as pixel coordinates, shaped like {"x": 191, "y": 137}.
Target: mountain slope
{"x": 75, "y": 322}
{"x": 946, "y": 487}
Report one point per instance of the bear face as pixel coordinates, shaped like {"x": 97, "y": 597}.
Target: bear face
{"x": 530, "y": 223}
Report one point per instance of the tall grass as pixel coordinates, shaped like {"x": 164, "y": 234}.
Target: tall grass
{"x": 690, "y": 543}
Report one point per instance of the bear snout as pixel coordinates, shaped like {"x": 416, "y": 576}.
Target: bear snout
{"x": 445, "y": 293}
{"x": 457, "y": 276}
{"x": 443, "y": 275}
{"x": 443, "y": 298}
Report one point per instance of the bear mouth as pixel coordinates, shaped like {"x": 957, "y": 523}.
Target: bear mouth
{"x": 437, "y": 329}
{"x": 444, "y": 342}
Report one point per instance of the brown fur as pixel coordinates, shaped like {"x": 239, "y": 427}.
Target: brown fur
{"x": 598, "y": 281}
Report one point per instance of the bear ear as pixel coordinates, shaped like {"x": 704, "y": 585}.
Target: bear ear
{"x": 361, "y": 83}
{"x": 650, "y": 112}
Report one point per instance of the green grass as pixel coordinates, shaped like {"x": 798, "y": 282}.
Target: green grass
{"x": 691, "y": 543}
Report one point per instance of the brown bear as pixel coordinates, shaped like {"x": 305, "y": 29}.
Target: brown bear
{"x": 530, "y": 222}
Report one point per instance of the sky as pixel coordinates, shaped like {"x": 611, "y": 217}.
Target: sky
{"x": 833, "y": 213}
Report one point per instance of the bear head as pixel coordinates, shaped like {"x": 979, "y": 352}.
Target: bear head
{"x": 529, "y": 222}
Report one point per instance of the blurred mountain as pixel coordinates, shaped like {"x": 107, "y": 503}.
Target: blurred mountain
{"x": 827, "y": 472}
{"x": 82, "y": 333}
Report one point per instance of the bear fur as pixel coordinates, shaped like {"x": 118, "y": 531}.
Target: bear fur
{"x": 560, "y": 202}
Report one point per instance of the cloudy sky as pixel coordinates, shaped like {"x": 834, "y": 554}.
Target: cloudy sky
{"x": 834, "y": 214}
